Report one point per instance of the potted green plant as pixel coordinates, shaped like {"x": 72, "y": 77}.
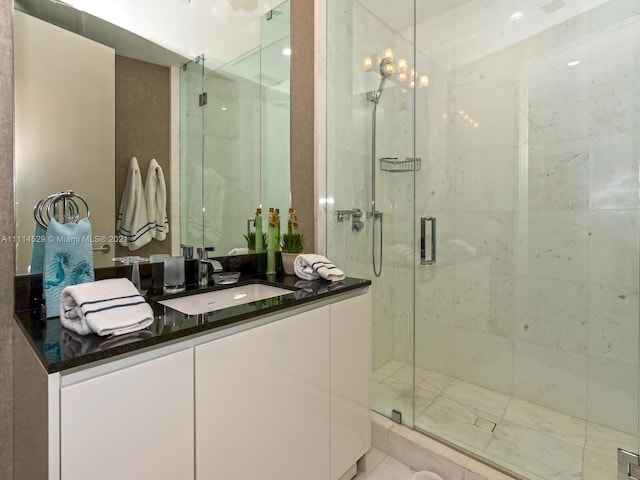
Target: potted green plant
{"x": 292, "y": 245}
{"x": 251, "y": 241}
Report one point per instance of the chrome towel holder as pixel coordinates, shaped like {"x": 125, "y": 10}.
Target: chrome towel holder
{"x": 62, "y": 206}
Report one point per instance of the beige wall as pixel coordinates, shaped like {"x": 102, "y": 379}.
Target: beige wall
{"x": 64, "y": 126}
{"x": 302, "y": 117}
{"x": 143, "y": 129}
{"x": 6, "y": 249}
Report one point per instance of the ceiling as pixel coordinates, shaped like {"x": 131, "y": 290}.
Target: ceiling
{"x": 458, "y": 32}
{"x": 168, "y": 31}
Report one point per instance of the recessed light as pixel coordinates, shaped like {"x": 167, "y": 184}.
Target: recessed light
{"x": 573, "y": 63}
{"x": 515, "y": 16}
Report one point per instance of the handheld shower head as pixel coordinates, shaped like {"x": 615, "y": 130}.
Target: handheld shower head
{"x": 386, "y": 69}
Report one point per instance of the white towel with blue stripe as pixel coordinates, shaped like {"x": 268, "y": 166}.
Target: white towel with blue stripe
{"x": 105, "y": 307}
{"x": 133, "y": 218}
{"x": 156, "y": 192}
{"x": 310, "y": 266}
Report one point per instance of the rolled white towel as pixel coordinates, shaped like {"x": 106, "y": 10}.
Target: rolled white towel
{"x": 309, "y": 266}
{"x": 105, "y": 307}
{"x": 238, "y": 251}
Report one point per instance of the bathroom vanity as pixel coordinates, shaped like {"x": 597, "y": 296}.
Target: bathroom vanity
{"x": 274, "y": 389}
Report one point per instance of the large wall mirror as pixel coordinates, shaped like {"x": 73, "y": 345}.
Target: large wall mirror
{"x": 95, "y": 88}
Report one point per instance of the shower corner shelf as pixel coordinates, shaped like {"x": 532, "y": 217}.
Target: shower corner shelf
{"x": 390, "y": 164}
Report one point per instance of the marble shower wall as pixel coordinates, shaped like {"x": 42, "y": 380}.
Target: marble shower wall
{"x": 535, "y": 293}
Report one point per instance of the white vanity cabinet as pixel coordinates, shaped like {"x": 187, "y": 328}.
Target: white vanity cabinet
{"x": 350, "y": 383}
{"x": 131, "y": 424}
{"x": 277, "y": 397}
{"x": 289, "y": 399}
{"x": 262, "y": 401}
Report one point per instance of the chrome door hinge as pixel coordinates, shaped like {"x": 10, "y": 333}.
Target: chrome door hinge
{"x": 628, "y": 465}
{"x": 202, "y": 99}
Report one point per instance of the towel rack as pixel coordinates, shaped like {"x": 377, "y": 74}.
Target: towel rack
{"x": 60, "y": 205}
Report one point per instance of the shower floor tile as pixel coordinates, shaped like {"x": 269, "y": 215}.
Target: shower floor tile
{"x": 456, "y": 422}
{"x": 536, "y": 442}
{"x": 535, "y": 451}
{"x": 391, "y": 393}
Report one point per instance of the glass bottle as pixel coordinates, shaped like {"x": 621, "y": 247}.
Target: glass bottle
{"x": 258, "y": 222}
{"x": 271, "y": 243}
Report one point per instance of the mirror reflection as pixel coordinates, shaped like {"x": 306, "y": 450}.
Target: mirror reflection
{"x": 84, "y": 111}
{"x": 245, "y": 116}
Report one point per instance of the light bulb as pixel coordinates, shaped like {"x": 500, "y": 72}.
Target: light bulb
{"x": 402, "y": 76}
{"x": 367, "y": 64}
{"x": 424, "y": 81}
{"x": 402, "y": 65}
{"x": 388, "y": 53}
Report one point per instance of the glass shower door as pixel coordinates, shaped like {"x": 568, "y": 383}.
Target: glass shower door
{"x": 191, "y": 152}
{"x": 370, "y": 182}
{"x": 526, "y": 327}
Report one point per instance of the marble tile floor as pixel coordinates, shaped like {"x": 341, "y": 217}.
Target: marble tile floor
{"x": 381, "y": 466}
{"x": 531, "y": 441}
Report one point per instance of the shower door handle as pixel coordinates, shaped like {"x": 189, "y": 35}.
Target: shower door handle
{"x": 423, "y": 241}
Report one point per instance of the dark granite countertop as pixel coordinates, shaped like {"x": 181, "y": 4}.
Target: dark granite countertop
{"x": 61, "y": 349}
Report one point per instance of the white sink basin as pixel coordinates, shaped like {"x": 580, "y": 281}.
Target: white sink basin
{"x": 219, "y": 299}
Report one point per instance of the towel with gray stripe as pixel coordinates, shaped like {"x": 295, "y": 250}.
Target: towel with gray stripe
{"x": 104, "y": 307}
{"x": 310, "y": 266}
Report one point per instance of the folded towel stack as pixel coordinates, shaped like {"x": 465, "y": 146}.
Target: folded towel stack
{"x": 105, "y": 307}
{"x": 309, "y": 266}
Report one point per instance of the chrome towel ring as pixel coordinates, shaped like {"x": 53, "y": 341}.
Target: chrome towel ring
{"x": 62, "y": 205}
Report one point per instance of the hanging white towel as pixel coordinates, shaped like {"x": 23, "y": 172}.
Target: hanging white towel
{"x": 133, "y": 220}
{"x": 309, "y": 266}
{"x": 105, "y": 307}
{"x": 156, "y": 194}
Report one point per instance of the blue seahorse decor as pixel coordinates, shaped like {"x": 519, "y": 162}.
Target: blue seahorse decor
{"x": 68, "y": 260}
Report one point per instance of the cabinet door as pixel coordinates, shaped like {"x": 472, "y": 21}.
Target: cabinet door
{"x": 133, "y": 424}
{"x": 262, "y": 402}
{"x": 350, "y": 382}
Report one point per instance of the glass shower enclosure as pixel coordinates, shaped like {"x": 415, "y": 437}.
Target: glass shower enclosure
{"x": 506, "y": 315}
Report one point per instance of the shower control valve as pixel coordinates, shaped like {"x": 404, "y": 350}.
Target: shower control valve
{"x": 355, "y": 214}
{"x": 342, "y": 214}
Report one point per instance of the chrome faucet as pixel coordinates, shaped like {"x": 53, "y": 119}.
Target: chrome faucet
{"x": 203, "y": 267}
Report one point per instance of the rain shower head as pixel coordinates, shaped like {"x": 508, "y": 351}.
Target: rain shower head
{"x": 386, "y": 69}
